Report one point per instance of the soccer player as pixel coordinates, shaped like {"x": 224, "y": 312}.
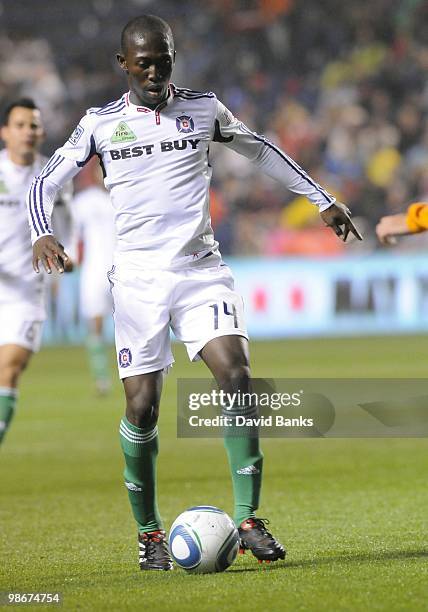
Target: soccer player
{"x": 168, "y": 273}
{"x": 413, "y": 221}
{"x": 94, "y": 228}
{"x": 22, "y": 295}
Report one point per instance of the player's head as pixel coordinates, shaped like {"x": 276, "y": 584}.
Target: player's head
{"x": 147, "y": 56}
{"x": 22, "y": 130}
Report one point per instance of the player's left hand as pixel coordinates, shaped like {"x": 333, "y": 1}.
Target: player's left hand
{"x": 338, "y": 217}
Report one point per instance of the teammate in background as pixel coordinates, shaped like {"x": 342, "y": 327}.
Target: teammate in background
{"x": 413, "y": 221}
{"x": 22, "y": 292}
{"x": 94, "y": 228}
{"x": 168, "y": 273}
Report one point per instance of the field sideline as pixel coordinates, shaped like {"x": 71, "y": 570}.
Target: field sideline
{"x": 352, "y": 513}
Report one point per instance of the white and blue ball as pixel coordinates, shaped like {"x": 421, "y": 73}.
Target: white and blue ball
{"x": 204, "y": 539}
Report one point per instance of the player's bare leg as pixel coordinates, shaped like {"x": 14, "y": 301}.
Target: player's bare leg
{"x": 139, "y": 441}
{"x": 228, "y": 359}
{"x": 13, "y": 361}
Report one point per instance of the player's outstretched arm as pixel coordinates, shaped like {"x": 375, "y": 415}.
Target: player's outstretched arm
{"x": 391, "y": 226}
{"x": 413, "y": 221}
{"x": 50, "y": 253}
{"x": 277, "y": 164}
{"x": 338, "y": 217}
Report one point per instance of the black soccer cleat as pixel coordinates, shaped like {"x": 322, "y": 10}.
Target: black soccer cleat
{"x": 256, "y": 538}
{"x": 153, "y": 551}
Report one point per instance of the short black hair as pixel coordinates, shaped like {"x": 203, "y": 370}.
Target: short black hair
{"x": 144, "y": 23}
{"x": 21, "y": 102}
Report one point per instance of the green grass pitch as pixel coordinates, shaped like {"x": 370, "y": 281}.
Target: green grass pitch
{"x": 352, "y": 513}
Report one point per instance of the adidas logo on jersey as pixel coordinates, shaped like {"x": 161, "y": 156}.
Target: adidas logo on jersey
{"x": 123, "y": 133}
{"x": 247, "y": 471}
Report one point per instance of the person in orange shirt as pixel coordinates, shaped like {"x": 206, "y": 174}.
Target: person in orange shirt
{"x": 413, "y": 221}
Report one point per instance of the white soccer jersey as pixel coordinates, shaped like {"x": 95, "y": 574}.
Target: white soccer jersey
{"x": 157, "y": 171}
{"x": 20, "y": 286}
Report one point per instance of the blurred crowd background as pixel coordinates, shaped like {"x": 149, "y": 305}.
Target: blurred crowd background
{"x": 341, "y": 86}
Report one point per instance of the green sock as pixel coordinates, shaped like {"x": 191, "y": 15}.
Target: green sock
{"x": 246, "y": 465}
{"x": 7, "y": 409}
{"x": 98, "y": 358}
{"x": 140, "y": 448}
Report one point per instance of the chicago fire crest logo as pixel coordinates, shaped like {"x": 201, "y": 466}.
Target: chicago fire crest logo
{"x": 125, "y": 357}
{"x": 185, "y": 124}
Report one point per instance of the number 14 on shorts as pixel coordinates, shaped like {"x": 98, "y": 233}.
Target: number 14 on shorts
{"x": 224, "y": 309}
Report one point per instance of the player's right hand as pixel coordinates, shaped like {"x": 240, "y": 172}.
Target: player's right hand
{"x": 68, "y": 265}
{"x": 51, "y": 253}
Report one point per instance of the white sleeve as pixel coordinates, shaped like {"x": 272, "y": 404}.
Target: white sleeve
{"x": 268, "y": 157}
{"x": 59, "y": 170}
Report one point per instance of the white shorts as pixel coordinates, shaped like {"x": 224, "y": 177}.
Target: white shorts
{"x": 197, "y": 304}
{"x": 17, "y": 326}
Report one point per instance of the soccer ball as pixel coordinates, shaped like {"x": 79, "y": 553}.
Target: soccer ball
{"x": 204, "y": 539}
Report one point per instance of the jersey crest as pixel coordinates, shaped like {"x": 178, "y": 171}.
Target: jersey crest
{"x": 185, "y": 124}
